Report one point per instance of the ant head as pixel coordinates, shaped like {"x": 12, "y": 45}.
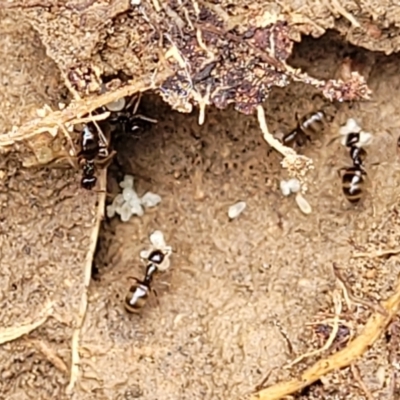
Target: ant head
{"x": 156, "y": 257}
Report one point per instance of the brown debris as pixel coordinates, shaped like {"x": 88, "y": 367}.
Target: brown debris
{"x": 373, "y": 329}
{"x": 207, "y": 56}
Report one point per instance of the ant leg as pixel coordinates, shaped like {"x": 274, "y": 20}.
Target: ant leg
{"x": 136, "y": 106}
{"x": 156, "y": 296}
{"x": 144, "y": 118}
{"x": 340, "y": 170}
{"x": 105, "y": 162}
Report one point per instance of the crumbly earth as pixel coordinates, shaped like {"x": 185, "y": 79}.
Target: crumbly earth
{"x": 235, "y": 304}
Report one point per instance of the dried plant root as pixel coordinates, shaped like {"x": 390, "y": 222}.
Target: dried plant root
{"x": 78, "y": 108}
{"x": 80, "y": 318}
{"x": 335, "y": 328}
{"x": 12, "y": 333}
{"x": 297, "y": 165}
{"x": 378, "y": 253}
{"x": 374, "y": 327}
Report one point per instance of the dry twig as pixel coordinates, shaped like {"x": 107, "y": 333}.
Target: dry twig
{"x": 363, "y": 386}
{"x": 377, "y": 253}
{"x": 374, "y": 327}
{"x": 12, "y": 333}
{"x": 335, "y": 328}
{"x": 80, "y": 319}
{"x": 73, "y": 113}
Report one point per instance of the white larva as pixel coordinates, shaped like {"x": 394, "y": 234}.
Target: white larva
{"x": 351, "y": 126}
{"x": 236, "y": 209}
{"x": 303, "y": 204}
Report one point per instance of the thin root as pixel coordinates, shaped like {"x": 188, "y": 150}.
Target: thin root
{"x": 363, "y": 386}
{"x": 373, "y": 329}
{"x": 377, "y": 253}
{"x": 335, "y": 328}
{"x": 350, "y": 298}
{"x": 15, "y": 332}
{"x": 78, "y": 107}
{"x": 75, "y": 357}
{"x": 296, "y": 164}
{"x": 50, "y": 354}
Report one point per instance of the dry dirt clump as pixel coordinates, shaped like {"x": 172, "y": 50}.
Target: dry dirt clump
{"x": 213, "y": 54}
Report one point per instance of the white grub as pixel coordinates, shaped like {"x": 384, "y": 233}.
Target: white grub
{"x": 127, "y": 182}
{"x": 125, "y": 213}
{"x": 236, "y": 209}
{"x": 365, "y": 139}
{"x": 351, "y": 126}
{"x": 129, "y": 194}
{"x": 136, "y": 208}
{"x": 117, "y": 105}
{"x": 157, "y": 239}
{"x": 291, "y": 186}
{"x": 158, "y": 243}
{"x": 285, "y": 189}
{"x": 303, "y": 204}
{"x": 110, "y": 211}
{"x": 150, "y": 200}
{"x": 128, "y": 203}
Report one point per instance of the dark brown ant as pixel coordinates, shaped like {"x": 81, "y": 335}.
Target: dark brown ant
{"x": 139, "y": 292}
{"x": 353, "y": 178}
{"x": 93, "y": 151}
{"x": 310, "y": 124}
{"x": 124, "y": 117}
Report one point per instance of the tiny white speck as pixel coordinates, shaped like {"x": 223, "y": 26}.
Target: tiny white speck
{"x": 236, "y": 209}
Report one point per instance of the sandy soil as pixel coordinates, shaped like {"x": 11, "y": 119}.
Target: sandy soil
{"x": 235, "y": 304}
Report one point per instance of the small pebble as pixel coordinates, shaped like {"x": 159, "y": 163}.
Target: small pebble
{"x": 236, "y": 209}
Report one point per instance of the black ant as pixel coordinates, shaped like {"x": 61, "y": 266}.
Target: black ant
{"x": 353, "y": 178}
{"x": 139, "y": 292}
{"x": 93, "y": 151}
{"x": 123, "y": 117}
{"x": 310, "y": 124}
